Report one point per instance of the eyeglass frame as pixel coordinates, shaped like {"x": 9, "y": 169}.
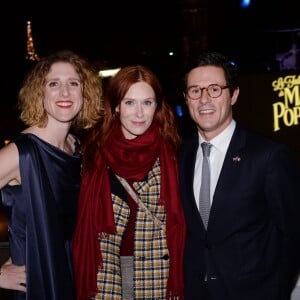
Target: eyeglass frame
{"x": 207, "y": 90}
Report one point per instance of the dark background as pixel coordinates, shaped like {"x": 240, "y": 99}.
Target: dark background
{"x": 108, "y": 33}
{"x": 116, "y": 33}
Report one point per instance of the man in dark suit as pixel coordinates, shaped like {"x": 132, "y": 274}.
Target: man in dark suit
{"x": 249, "y": 247}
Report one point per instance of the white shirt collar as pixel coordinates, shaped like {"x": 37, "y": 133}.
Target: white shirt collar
{"x": 222, "y": 140}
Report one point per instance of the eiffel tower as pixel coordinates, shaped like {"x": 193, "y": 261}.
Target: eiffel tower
{"x": 31, "y": 55}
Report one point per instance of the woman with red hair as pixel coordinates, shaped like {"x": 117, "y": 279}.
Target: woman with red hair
{"x": 130, "y": 232}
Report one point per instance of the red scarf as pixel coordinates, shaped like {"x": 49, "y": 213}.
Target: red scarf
{"x": 131, "y": 159}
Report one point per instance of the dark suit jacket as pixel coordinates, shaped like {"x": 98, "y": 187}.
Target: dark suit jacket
{"x": 251, "y": 247}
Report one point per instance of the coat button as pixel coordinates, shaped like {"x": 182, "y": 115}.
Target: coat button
{"x": 166, "y": 257}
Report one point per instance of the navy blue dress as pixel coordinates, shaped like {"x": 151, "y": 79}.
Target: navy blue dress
{"x": 41, "y": 215}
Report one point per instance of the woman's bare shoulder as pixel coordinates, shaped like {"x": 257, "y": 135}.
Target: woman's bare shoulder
{"x": 9, "y": 162}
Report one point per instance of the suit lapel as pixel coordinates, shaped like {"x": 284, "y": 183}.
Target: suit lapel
{"x": 229, "y": 172}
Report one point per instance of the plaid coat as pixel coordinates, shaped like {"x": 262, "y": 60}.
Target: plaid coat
{"x": 151, "y": 255}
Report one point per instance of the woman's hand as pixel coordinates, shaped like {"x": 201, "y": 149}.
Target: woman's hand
{"x": 12, "y": 277}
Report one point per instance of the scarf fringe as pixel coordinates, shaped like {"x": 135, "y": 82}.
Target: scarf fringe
{"x": 103, "y": 235}
{"x": 173, "y": 296}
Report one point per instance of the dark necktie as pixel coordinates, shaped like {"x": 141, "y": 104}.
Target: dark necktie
{"x": 204, "y": 199}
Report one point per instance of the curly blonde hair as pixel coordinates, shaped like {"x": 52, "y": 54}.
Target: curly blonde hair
{"x": 31, "y": 94}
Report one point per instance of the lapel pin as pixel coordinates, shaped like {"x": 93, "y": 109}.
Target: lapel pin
{"x": 236, "y": 159}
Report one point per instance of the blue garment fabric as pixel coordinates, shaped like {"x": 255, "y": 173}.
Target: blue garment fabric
{"x": 41, "y": 215}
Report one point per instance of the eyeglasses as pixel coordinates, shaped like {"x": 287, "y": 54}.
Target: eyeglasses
{"x": 213, "y": 90}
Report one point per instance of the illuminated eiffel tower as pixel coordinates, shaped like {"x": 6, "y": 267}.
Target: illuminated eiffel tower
{"x": 31, "y": 55}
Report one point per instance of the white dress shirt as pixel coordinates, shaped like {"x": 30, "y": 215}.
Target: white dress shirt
{"x": 218, "y": 151}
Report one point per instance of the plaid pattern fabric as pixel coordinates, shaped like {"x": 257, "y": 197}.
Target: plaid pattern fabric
{"x": 109, "y": 281}
{"x": 151, "y": 255}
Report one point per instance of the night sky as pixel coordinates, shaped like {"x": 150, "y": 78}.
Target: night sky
{"x": 125, "y": 32}
{"x": 114, "y": 32}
